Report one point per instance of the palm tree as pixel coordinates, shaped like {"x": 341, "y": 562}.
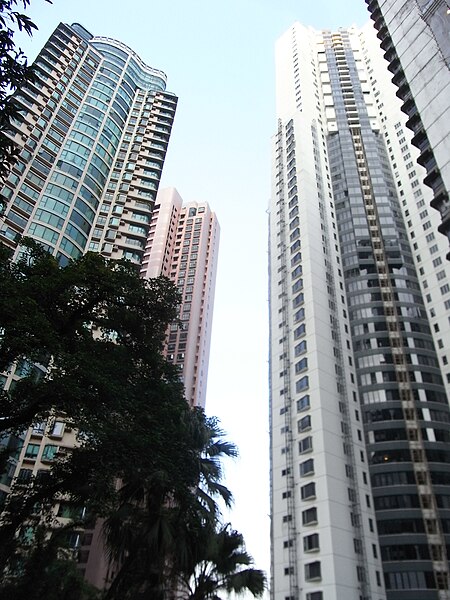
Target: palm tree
{"x": 220, "y": 562}
{"x": 159, "y": 516}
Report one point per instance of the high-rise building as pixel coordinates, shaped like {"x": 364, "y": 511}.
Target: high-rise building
{"x": 93, "y": 139}
{"x": 183, "y": 245}
{"x": 416, "y": 41}
{"x": 360, "y": 421}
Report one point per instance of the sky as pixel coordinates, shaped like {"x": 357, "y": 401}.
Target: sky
{"x": 218, "y": 57}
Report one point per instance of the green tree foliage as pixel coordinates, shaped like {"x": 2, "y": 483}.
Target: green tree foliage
{"x": 14, "y": 73}
{"x": 218, "y": 562}
{"x": 146, "y": 463}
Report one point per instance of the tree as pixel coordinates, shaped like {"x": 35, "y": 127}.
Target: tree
{"x": 100, "y": 326}
{"x": 14, "y": 73}
{"x": 218, "y": 561}
{"x": 155, "y": 524}
{"x": 88, "y": 338}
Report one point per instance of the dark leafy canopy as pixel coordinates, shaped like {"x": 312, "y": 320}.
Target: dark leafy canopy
{"x": 146, "y": 463}
{"x": 100, "y": 326}
{"x": 14, "y": 73}
{"x": 218, "y": 562}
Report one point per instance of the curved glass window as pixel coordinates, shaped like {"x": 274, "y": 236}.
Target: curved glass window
{"x": 111, "y": 52}
{"x": 112, "y": 127}
{"x": 100, "y": 95}
{"x": 109, "y": 65}
{"x": 98, "y": 114}
{"x": 124, "y": 100}
{"x": 56, "y": 206}
{"x": 99, "y": 177}
{"x": 89, "y": 196}
{"x": 93, "y": 185}
{"x": 44, "y": 233}
{"x": 80, "y": 221}
{"x": 74, "y": 158}
{"x": 103, "y": 152}
{"x": 91, "y": 100}
{"x": 107, "y": 89}
{"x": 64, "y": 180}
{"x": 123, "y": 113}
{"x": 117, "y": 118}
{"x": 102, "y": 166}
{"x": 85, "y": 129}
{"x": 70, "y": 248}
{"x": 76, "y": 235}
{"x": 89, "y": 119}
{"x": 68, "y": 168}
{"x": 49, "y": 218}
{"x": 59, "y": 192}
{"x": 84, "y": 139}
{"x": 82, "y": 207}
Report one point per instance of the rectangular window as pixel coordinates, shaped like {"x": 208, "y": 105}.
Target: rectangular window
{"x": 309, "y": 516}
{"x": 304, "y": 424}
{"x": 308, "y": 491}
{"x": 307, "y": 467}
{"x": 49, "y": 452}
{"x": 300, "y": 330}
{"x": 300, "y": 348}
{"x": 313, "y": 571}
{"x": 314, "y": 596}
{"x": 305, "y": 445}
{"x": 301, "y": 365}
{"x": 302, "y": 384}
{"x": 311, "y": 542}
{"x": 32, "y": 451}
{"x": 303, "y": 403}
{"x": 57, "y": 429}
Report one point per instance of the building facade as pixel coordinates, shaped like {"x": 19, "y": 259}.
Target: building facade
{"x": 183, "y": 244}
{"x": 93, "y": 139}
{"x": 360, "y": 423}
{"x": 415, "y": 38}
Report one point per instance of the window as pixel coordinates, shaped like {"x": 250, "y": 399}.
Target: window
{"x": 311, "y": 542}
{"x": 308, "y": 491}
{"x": 49, "y": 452}
{"x": 32, "y": 451}
{"x": 307, "y": 467}
{"x": 305, "y": 445}
{"x": 24, "y": 475}
{"x": 303, "y": 403}
{"x": 309, "y": 516}
{"x": 57, "y": 429}
{"x": 301, "y": 329}
{"x": 301, "y": 366}
{"x": 300, "y": 348}
{"x": 304, "y": 424}
{"x": 312, "y": 571}
{"x": 302, "y": 384}
{"x": 39, "y": 428}
{"x": 314, "y": 596}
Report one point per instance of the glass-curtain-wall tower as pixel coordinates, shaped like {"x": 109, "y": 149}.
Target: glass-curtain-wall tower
{"x": 93, "y": 139}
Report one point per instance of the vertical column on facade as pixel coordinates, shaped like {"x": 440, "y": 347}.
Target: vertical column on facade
{"x": 427, "y": 498}
{"x": 355, "y": 506}
{"x": 286, "y": 367}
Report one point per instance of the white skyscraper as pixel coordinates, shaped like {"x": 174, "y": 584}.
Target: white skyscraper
{"x": 359, "y": 413}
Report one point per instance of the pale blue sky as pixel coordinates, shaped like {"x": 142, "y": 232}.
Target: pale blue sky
{"x": 218, "y": 57}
